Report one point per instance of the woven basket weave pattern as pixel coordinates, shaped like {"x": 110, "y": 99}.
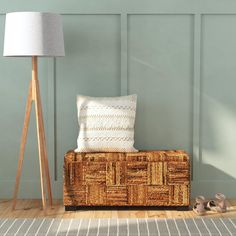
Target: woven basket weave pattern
{"x": 147, "y": 178}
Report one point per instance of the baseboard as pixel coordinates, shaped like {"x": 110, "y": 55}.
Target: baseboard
{"x": 30, "y": 189}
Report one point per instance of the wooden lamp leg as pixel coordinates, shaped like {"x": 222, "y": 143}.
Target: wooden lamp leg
{"x": 48, "y": 181}
{"x": 39, "y": 130}
{"x": 34, "y": 95}
{"x": 23, "y": 142}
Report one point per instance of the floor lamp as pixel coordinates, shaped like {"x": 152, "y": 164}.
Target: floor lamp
{"x": 34, "y": 34}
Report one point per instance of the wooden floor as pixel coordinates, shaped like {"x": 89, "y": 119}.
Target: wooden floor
{"x": 32, "y": 209}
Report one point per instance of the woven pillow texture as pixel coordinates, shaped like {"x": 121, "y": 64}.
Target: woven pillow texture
{"x": 106, "y": 124}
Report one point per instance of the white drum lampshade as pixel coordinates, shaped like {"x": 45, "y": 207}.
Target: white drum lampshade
{"x": 33, "y": 34}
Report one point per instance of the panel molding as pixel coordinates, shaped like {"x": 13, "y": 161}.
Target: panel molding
{"x": 52, "y": 132}
{"x": 124, "y": 55}
{"x": 196, "y": 96}
{"x": 201, "y": 178}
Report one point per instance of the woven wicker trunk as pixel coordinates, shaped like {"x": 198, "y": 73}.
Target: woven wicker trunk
{"x": 145, "y": 178}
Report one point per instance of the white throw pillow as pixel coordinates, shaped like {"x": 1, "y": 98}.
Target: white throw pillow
{"x": 106, "y": 124}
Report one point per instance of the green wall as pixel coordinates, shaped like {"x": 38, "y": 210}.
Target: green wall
{"x": 178, "y": 56}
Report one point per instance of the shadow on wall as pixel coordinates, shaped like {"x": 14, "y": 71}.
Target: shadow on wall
{"x": 214, "y": 174}
{"x": 213, "y": 181}
{"x": 217, "y": 156}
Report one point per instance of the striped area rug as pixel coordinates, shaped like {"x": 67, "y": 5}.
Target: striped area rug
{"x": 115, "y": 227}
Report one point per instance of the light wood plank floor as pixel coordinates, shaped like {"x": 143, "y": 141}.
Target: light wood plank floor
{"x": 32, "y": 209}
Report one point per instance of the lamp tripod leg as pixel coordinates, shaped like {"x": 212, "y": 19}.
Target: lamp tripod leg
{"x": 23, "y": 142}
{"x": 34, "y": 95}
{"x": 48, "y": 181}
{"x": 40, "y": 144}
